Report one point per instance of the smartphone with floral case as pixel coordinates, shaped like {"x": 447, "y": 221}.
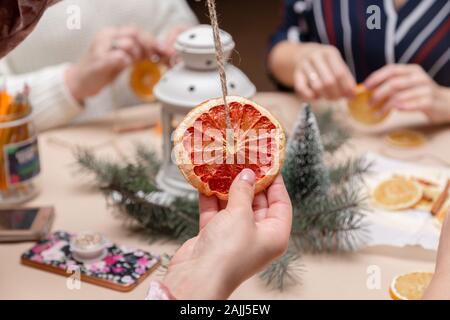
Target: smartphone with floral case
{"x": 120, "y": 268}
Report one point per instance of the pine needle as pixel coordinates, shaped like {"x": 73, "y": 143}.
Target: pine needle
{"x": 334, "y": 134}
{"x": 283, "y": 272}
{"x": 349, "y": 171}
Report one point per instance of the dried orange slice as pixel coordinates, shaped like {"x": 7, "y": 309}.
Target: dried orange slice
{"x": 143, "y": 77}
{"x": 410, "y": 286}
{"x": 397, "y": 193}
{"x": 210, "y": 160}
{"x": 361, "y": 111}
{"x": 406, "y": 138}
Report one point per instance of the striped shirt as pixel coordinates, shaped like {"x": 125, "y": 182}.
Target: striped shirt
{"x": 372, "y": 33}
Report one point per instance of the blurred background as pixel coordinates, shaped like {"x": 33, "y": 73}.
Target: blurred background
{"x": 250, "y": 28}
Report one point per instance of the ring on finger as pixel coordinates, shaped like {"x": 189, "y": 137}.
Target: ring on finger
{"x": 313, "y": 77}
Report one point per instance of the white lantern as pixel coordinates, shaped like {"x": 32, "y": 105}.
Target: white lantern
{"x": 190, "y": 82}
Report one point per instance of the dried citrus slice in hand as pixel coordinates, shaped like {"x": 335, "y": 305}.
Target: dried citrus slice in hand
{"x": 210, "y": 160}
{"x": 143, "y": 77}
{"x": 406, "y": 138}
{"x": 410, "y": 286}
{"x": 360, "y": 109}
{"x": 397, "y": 193}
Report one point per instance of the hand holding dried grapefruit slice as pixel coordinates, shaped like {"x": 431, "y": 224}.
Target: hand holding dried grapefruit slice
{"x": 210, "y": 160}
{"x": 360, "y": 109}
{"x": 410, "y": 286}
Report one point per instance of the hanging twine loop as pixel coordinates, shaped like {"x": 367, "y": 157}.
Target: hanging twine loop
{"x": 220, "y": 60}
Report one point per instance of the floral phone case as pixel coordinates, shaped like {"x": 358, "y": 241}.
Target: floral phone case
{"x": 121, "y": 268}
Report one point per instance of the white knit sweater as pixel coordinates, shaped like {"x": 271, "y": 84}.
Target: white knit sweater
{"x": 43, "y": 57}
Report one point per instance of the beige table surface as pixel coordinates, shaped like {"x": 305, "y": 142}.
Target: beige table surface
{"x": 80, "y": 207}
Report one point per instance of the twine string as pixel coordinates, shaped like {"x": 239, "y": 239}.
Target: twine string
{"x": 220, "y": 60}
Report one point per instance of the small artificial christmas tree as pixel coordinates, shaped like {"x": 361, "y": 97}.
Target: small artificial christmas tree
{"x": 326, "y": 200}
{"x": 304, "y": 170}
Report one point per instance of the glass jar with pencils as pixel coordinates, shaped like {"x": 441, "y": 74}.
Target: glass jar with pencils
{"x": 19, "y": 154}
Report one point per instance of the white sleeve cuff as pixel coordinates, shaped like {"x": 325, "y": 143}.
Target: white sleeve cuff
{"x": 53, "y": 104}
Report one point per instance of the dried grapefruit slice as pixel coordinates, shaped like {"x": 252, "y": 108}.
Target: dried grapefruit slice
{"x": 143, "y": 77}
{"x": 397, "y": 193}
{"x": 210, "y": 161}
{"x": 410, "y": 286}
{"x": 361, "y": 111}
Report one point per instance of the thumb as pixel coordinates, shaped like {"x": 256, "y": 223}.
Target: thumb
{"x": 242, "y": 191}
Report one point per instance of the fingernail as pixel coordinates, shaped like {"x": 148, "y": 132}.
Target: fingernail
{"x": 248, "y": 176}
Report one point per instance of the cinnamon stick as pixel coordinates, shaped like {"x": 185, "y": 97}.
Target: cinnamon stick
{"x": 437, "y": 206}
{"x": 425, "y": 182}
{"x": 133, "y": 127}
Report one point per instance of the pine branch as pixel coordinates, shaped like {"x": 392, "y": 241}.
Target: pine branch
{"x": 149, "y": 159}
{"x": 329, "y": 224}
{"x": 334, "y": 134}
{"x": 283, "y": 272}
{"x": 131, "y": 177}
{"x": 104, "y": 171}
{"x": 177, "y": 220}
{"x": 128, "y": 188}
{"x": 349, "y": 171}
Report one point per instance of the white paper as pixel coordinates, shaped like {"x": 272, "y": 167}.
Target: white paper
{"x": 406, "y": 227}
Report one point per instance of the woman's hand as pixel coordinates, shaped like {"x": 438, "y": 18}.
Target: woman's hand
{"x": 321, "y": 73}
{"x": 236, "y": 240}
{"x": 112, "y": 51}
{"x": 409, "y": 88}
{"x": 440, "y": 284}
